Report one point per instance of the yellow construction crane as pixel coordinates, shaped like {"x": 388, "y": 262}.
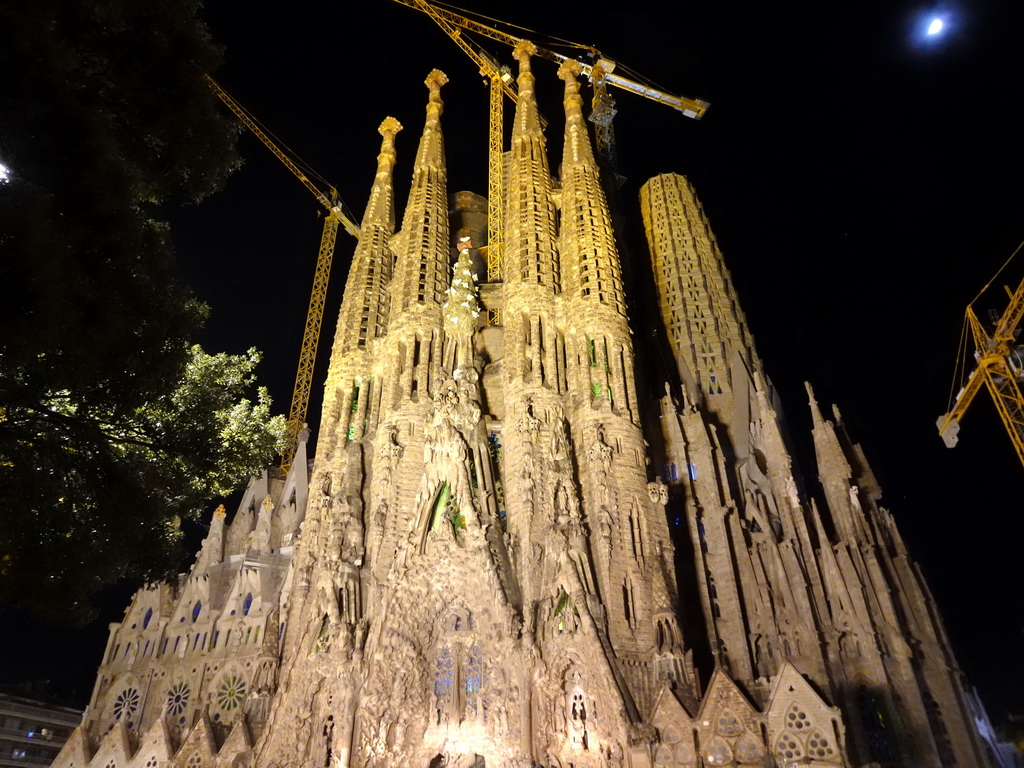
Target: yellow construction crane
{"x": 600, "y": 74}
{"x": 1000, "y": 367}
{"x": 315, "y": 312}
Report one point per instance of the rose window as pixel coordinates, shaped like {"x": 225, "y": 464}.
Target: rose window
{"x": 126, "y": 703}
{"x": 177, "y": 698}
{"x": 748, "y": 750}
{"x": 231, "y": 692}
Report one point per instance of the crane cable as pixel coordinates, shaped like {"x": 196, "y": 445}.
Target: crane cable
{"x": 998, "y": 271}
{"x": 306, "y": 167}
{"x": 536, "y": 36}
{"x": 960, "y": 367}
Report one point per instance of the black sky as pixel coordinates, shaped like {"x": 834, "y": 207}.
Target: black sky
{"x": 863, "y": 187}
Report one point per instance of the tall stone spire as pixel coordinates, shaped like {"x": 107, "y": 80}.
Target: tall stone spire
{"x": 365, "y": 306}
{"x": 530, "y": 251}
{"x": 589, "y": 256}
{"x": 421, "y": 272}
{"x": 532, "y": 373}
{"x": 836, "y": 477}
{"x": 703, "y": 320}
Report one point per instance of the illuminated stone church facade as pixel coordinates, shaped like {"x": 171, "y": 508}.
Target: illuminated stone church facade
{"x": 511, "y": 552}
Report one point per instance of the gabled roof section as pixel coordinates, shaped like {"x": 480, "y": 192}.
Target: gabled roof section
{"x": 791, "y": 687}
{"x": 722, "y": 691}
{"x": 155, "y": 744}
{"x": 115, "y": 749}
{"x": 239, "y": 740}
{"x": 200, "y": 738}
{"x": 75, "y": 753}
{"x": 668, "y": 709}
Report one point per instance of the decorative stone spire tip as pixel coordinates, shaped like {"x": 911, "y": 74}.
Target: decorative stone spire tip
{"x": 435, "y": 80}
{"x": 389, "y": 126}
{"x": 569, "y": 69}
{"x": 523, "y": 51}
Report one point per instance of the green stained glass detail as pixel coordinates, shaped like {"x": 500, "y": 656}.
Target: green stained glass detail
{"x": 440, "y": 502}
{"x": 323, "y": 636}
{"x": 231, "y": 692}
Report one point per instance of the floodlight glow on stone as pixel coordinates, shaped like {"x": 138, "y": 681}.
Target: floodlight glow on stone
{"x": 935, "y": 26}
{"x": 5, "y": 174}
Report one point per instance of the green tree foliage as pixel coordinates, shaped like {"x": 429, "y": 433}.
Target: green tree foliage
{"x": 112, "y": 425}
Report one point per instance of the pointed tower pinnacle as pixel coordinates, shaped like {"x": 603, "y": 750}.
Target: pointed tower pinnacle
{"x": 577, "y": 140}
{"x": 590, "y": 263}
{"x": 380, "y": 210}
{"x": 212, "y": 551}
{"x": 363, "y": 313}
{"x": 531, "y": 257}
{"x": 527, "y": 117}
{"x": 431, "y": 151}
{"x": 835, "y": 475}
{"x": 366, "y": 305}
{"x": 421, "y": 271}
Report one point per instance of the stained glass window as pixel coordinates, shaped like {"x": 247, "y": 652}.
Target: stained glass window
{"x": 177, "y": 698}
{"x": 474, "y": 681}
{"x": 126, "y": 704}
{"x": 444, "y": 682}
{"x": 231, "y": 692}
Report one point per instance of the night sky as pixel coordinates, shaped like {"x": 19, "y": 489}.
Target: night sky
{"x": 864, "y": 183}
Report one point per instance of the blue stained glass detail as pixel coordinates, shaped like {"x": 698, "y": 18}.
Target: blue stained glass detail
{"x": 149, "y": 616}
{"x": 196, "y": 610}
{"x": 247, "y": 604}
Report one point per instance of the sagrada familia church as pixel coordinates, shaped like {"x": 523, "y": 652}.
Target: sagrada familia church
{"x": 516, "y": 547}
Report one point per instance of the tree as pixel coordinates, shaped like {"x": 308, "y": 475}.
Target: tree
{"x": 112, "y": 425}
{"x": 94, "y": 493}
